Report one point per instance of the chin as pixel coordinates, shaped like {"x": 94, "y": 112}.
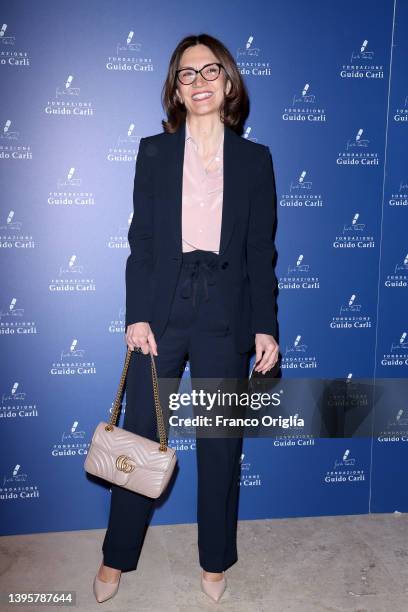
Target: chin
{"x": 205, "y": 111}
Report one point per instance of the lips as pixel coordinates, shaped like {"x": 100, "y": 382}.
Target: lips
{"x": 202, "y": 95}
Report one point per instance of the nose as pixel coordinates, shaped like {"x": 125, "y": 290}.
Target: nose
{"x": 199, "y": 80}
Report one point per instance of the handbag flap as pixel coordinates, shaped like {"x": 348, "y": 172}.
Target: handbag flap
{"x": 136, "y": 450}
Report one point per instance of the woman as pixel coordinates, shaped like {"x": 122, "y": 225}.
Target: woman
{"x": 199, "y": 285}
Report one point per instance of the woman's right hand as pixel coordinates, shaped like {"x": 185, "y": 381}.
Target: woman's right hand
{"x": 140, "y": 334}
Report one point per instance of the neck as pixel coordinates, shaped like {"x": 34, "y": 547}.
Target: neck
{"x": 206, "y": 130}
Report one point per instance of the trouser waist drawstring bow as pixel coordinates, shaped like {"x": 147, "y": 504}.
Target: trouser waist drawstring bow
{"x": 206, "y": 269}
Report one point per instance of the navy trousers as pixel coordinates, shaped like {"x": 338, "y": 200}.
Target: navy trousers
{"x": 197, "y": 329}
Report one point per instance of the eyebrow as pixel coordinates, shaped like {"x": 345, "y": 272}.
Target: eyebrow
{"x": 192, "y": 68}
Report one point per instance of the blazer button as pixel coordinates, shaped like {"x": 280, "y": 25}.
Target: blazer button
{"x": 224, "y": 265}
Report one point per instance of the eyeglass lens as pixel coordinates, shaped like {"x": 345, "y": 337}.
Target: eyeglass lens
{"x": 210, "y": 73}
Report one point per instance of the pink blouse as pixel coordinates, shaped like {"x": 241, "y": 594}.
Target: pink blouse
{"x": 202, "y": 198}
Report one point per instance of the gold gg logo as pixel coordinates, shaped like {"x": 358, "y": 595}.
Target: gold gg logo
{"x": 123, "y": 465}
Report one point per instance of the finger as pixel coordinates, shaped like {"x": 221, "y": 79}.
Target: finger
{"x": 129, "y": 342}
{"x": 139, "y": 341}
{"x": 267, "y": 368}
{"x": 133, "y": 345}
{"x": 268, "y": 364}
{"x": 153, "y": 344}
{"x": 144, "y": 345}
{"x": 271, "y": 362}
{"x": 266, "y": 356}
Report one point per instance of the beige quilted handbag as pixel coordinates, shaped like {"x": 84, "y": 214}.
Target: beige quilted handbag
{"x": 127, "y": 459}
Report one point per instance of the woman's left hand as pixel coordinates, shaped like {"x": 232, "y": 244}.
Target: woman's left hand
{"x": 267, "y": 352}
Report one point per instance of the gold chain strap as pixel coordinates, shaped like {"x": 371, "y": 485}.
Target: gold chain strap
{"x": 159, "y": 413}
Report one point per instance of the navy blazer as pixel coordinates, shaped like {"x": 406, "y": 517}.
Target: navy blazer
{"x": 247, "y": 250}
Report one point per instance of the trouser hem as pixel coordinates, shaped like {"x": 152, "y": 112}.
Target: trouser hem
{"x": 123, "y": 560}
{"x": 216, "y": 567}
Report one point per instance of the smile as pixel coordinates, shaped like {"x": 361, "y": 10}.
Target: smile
{"x": 202, "y": 95}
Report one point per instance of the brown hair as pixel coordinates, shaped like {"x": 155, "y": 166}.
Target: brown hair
{"x": 233, "y": 111}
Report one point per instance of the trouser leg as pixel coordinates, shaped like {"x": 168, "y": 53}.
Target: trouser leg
{"x": 204, "y": 334}
{"x": 130, "y": 512}
{"x": 212, "y": 354}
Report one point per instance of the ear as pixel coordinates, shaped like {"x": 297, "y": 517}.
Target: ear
{"x": 179, "y": 97}
{"x": 228, "y": 87}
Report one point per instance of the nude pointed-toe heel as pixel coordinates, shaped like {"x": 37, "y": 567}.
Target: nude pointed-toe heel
{"x": 104, "y": 590}
{"x": 213, "y": 588}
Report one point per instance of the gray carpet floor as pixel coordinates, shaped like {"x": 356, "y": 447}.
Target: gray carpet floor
{"x": 321, "y": 564}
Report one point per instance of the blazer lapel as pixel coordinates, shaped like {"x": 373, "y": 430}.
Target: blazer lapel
{"x": 230, "y": 191}
{"x": 231, "y": 187}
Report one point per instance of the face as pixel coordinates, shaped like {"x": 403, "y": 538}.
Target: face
{"x": 197, "y": 57}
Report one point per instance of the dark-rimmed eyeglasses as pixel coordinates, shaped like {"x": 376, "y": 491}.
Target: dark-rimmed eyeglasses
{"x": 209, "y": 72}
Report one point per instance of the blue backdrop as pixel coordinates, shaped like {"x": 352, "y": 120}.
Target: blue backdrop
{"x": 81, "y": 84}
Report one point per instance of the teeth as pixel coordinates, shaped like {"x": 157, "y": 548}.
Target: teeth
{"x": 201, "y": 96}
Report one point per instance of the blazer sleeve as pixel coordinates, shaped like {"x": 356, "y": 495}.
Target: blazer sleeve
{"x": 139, "y": 265}
{"x": 261, "y": 248}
